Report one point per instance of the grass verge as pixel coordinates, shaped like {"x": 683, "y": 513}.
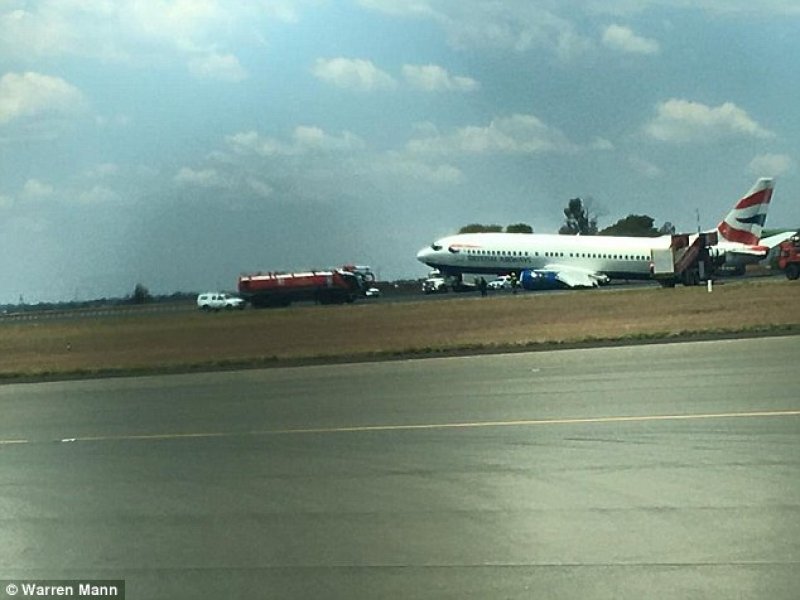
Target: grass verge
{"x": 185, "y": 342}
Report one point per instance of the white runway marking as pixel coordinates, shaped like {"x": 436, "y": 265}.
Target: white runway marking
{"x": 423, "y": 426}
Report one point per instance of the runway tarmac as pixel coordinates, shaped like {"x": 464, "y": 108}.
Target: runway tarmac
{"x": 663, "y": 471}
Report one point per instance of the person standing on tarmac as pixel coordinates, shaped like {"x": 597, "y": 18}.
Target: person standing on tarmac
{"x": 482, "y": 286}
{"x": 514, "y": 283}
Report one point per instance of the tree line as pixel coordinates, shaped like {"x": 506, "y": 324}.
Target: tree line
{"x": 579, "y": 221}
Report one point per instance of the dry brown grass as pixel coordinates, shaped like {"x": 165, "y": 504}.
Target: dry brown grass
{"x": 193, "y": 340}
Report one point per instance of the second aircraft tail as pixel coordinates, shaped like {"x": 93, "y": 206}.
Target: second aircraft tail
{"x": 745, "y": 222}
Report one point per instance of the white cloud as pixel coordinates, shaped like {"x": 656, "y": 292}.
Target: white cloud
{"x": 33, "y": 94}
{"x": 98, "y": 194}
{"x": 261, "y": 188}
{"x": 733, "y": 7}
{"x": 600, "y": 143}
{"x": 103, "y": 170}
{"x": 571, "y": 46}
{"x": 771, "y": 165}
{"x": 685, "y": 121}
{"x": 287, "y": 11}
{"x": 119, "y": 120}
{"x": 304, "y": 140}
{"x": 408, "y": 8}
{"x": 200, "y": 178}
{"x": 315, "y": 163}
{"x": 251, "y": 142}
{"x": 396, "y": 164}
{"x": 516, "y": 25}
{"x": 624, "y": 39}
{"x": 195, "y": 33}
{"x": 109, "y": 30}
{"x": 353, "y": 73}
{"x": 645, "y": 168}
{"x": 439, "y": 8}
{"x": 34, "y": 188}
{"x": 433, "y": 78}
{"x": 38, "y": 33}
{"x": 362, "y": 75}
{"x": 518, "y": 134}
{"x": 314, "y": 139}
{"x": 223, "y": 67}
{"x": 185, "y": 23}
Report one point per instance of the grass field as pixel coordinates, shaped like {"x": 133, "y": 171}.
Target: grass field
{"x": 186, "y": 341}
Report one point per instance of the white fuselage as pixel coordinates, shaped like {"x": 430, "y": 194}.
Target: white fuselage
{"x": 588, "y": 260}
{"x": 617, "y": 257}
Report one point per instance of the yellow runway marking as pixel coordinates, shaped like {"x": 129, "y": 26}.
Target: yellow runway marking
{"x": 425, "y": 426}
{"x": 528, "y": 423}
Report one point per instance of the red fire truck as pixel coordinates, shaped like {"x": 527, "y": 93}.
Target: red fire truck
{"x": 789, "y": 257}
{"x": 333, "y": 286}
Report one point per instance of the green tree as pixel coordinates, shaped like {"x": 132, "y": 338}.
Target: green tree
{"x": 633, "y": 226}
{"x": 141, "y": 295}
{"x": 519, "y": 228}
{"x": 578, "y": 219}
{"x": 478, "y": 228}
{"x": 667, "y": 229}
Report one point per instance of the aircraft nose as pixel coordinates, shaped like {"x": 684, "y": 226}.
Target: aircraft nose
{"x": 423, "y": 254}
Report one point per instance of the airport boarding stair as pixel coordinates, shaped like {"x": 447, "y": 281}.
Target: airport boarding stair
{"x": 686, "y": 260}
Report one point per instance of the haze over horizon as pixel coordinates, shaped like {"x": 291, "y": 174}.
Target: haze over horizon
{"x": 179, "y": 143}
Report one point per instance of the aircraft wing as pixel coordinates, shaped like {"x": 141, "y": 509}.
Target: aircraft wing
{"x": 572, "y": 277}
{"x": 761, "y": 250}
{"x": 774, "y": 240}
{"x": 758, "y": 251}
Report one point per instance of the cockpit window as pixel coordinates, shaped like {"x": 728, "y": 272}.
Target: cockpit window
{"x": 436, "y": 247}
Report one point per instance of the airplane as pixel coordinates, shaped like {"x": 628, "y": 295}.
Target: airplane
{"x": 589, "y": 261}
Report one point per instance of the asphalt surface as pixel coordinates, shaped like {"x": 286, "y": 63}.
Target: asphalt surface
{"x": 664, "y": 471}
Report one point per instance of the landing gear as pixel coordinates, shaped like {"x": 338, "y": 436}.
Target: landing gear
{"x": 691, "y": 277}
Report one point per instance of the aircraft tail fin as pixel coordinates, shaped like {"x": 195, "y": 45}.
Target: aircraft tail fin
{"x": 745, "y": 222}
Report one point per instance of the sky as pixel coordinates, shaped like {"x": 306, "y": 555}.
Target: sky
{"x": 181, "y": 143}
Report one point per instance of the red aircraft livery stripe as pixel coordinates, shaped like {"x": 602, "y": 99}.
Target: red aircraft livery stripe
{"x": 737, "y": 235}
{"x": 760, "y": 197}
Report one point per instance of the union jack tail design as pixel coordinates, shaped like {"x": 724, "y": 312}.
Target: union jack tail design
{"x": 745, "y": 222}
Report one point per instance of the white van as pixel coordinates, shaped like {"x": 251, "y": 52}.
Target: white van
{"x": 434, "y": 285}
{"x": 501, "y": 283}
{"x": 218, "y": 301}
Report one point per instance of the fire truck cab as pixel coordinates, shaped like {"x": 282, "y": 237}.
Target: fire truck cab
{"x": 789, "y": 257}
